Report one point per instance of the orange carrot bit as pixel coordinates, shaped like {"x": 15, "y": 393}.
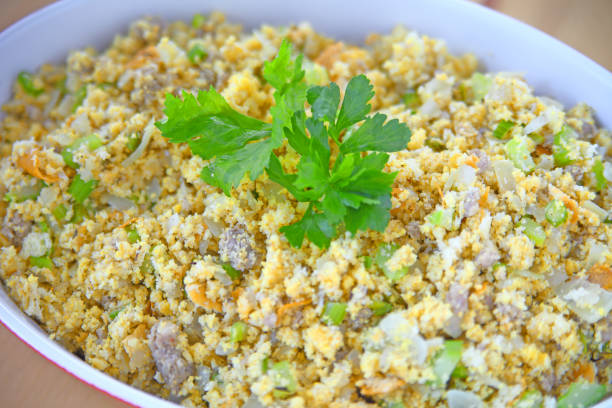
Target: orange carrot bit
{"x": 287, "y": 307}
{"x": 237, "y": 292}
{"x": 583, "y": 370}
{"x": 482, "y": 201}
{"x": 128, "y": 222}
{"x": 379, "y": 386}
{"x": 197, "y": 294}
{"x": 29, "y": 163}
{"x": 480, "y": 288}
{"x": 602, "y": 275}
{"x": 472, "y": 161}
{"x": 572, "y": 205}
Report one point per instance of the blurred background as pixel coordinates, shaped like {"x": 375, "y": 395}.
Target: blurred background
{"x": 28, "y": 380}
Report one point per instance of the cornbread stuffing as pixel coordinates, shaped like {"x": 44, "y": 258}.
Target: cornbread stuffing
{"x": 490, "y": 286}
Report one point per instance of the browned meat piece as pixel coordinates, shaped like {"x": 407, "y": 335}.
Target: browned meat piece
{"x": 236, "y": 247}
{"x": 168, "y": 358}
{"x": 14, "y": 228}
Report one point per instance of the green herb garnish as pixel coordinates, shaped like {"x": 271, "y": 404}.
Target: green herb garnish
{"x": 355, "y": 191}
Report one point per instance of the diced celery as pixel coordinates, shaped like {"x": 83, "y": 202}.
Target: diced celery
{"x": 41, "y": 261}
{"x": 334, "y": 313}
{"x": 380, "y": 308}
{"x": 582, "y": 394}
{"x": 518, "y": 151}
{"x": 197, "y": 20}
{"x": 284, "y": 381}
{"x": 231, "y": 272}
{"x": 411, "y": 100}
{"x": 132, "y": 235}
{"x": 147, "y": 267}
{"x": 564, "y": 147}
{"x": 396, "y": 404}
{"x": 537, "y": 137}
{"x": 533, "y": 230}
{"x": 197, "y": 53}
{"x": 80, "y": 189}
{"x": 368, "y": 261}
{"x": 27, "y": 84}
{"x": 44, "y": 227}
{"x": 315, "y": 74}
{"x": 384, "y": 253}
{"x": 503, "y": 128}
{"x": 265, "y": 365}
{"x": 92, "y": 142}
{"x": 112, "y": 315}
{"x": 441, "y": 218}
{"x": 460, "y": 372}
{"x": 600, "y": 179}
{"x": 446, "y": 360}
{"x": 435, "y": 144}
{"x": 480, "y": 86}
{"x": 79, "y": 97}
{"x": 60, "y": 212}
{"x": 24, "y": 194}
{"x": 79, "y": 212}
{"x": 238, "y": 332}
{"x": 133, "y": 142}
{"x": 530, "y": 399}
{"x": 556, "y": 213}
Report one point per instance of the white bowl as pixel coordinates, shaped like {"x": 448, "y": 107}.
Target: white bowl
{"x": 501, "y": 44}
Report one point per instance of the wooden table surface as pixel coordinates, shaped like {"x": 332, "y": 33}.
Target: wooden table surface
{"x": 28, "y": 380}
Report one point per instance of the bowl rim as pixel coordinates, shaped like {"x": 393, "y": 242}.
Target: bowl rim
{"x": 30, "y": 333}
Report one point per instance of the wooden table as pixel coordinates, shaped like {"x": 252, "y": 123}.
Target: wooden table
{"x": 27, "y": 380}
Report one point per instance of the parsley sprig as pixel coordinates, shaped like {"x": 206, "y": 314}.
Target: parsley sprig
{"x": 349, "y": 189}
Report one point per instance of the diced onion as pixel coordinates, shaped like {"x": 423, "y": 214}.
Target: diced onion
{"x": 146, "y": 137}
{"x": 216, "y": 228}
{"x": 594, "y": 208}
{"x": 252, "y": 402}
{"x": 503, "y": 172}
{"x": 117, "y": 203}
{"x": 537, "y": 123}
{"x": 463, "y": 399}
{"x": 596, "y": 254}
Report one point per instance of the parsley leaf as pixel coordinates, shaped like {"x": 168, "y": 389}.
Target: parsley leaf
{"x": 344, "y": 186}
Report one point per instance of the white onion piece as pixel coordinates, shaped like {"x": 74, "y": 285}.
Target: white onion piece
{"x": 154, "y": 188}
{"x": 588, "y": 300}
{"x": 252, "y": 402}
{"x": 538, "y": 213}
{"x": 146, "y": 137}
{"x": 117, "y": 203}
{"x": 537, "y": 123}
{"x": 503, "y": 172}
{"x": 607, "y": 171}
{"x": 463, "y": 399}
{"x": 216, "y": 228}
{"x": 594, "y": 208}
{"x": 203, "y": 246}
{"x": 430, "y": 108}
{"x": 596, "y": 254}
{"x": 466, "y": 175}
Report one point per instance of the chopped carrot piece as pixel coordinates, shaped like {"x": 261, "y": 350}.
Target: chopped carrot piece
{"x": 29, "y": 163}
{"x": 237, "y": 292}
{"x": 583, "y": 370}
{"x": 128, "y": 222}
{"x": 287, "y": 307}
{"x": 378, "y": 386}
{"x": 472, "y": 161}
{"x": 602, "y": 275}
{"x": 197, "y": 294}
{"x": 482, "y": 201}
